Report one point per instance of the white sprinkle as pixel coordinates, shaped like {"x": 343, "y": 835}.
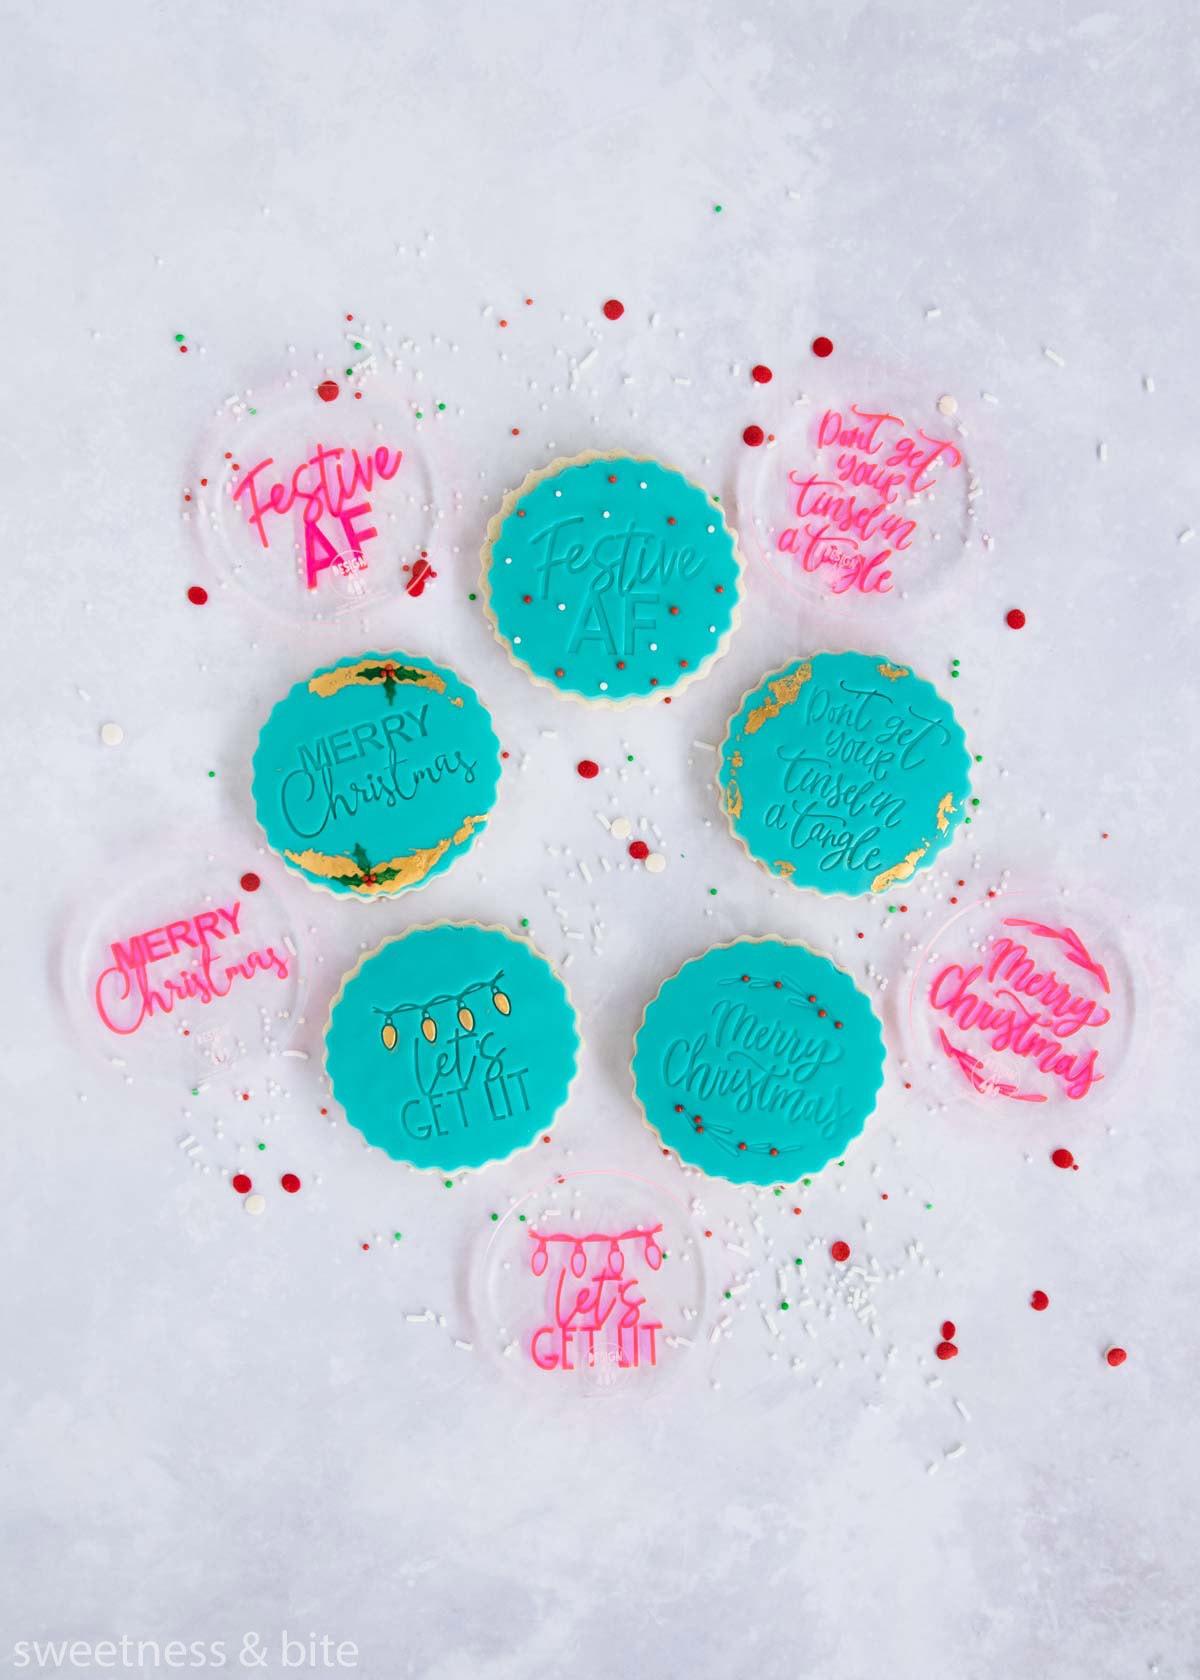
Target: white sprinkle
{"x": 932, "y": 314}
{"x": 112, "y": 734}
{"x": 620, "y": 828}
{"x": 585, "y": 872}
{"x": 1148, "y": 383}
{"x": 1053, "y": 356}
{"x": 466, "y": 1346}
{"x": 956, "y": 1452}
{"x": 987, "y": 397}
{"x": 1102, "y": 452}
{"x": 962, "y": 1410}
{"x": 418, "y": 1318}
{"x": 255, "y": 1203}
{"x": 297, "y": 1055}
{"x": 656, "y": 863}
{"x": 1186, "y": 534}
{"x": 947, "y": 405}
{"x": 589, "y": 358}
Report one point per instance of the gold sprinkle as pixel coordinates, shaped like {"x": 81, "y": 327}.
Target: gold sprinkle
{"x": 785, "y": 690}
{"x": 891, "y": 672}
{"x": 944, "y": 812}
{"x": 736, "y": 761}
{"x": 898, "y": 871}
{"x": 782, "y": 867}
{"x": 733, "y": 800}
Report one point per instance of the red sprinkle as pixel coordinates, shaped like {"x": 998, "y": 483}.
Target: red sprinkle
{"x": 197, "y": 595}
{"x": 822, "y": 347}
{"x": 250, "y": 881}
{"x": 1039, "y": 1300}
{"x": 840, "y": 1250}
{"x": 242, "y": 1182}
{"x": 638, "y": 849}
{"x": 328, "y": 390}
{"x": 761, "y": 374}
{"x": 1015, "y": 619}
{"x": 587, "y": 768}
{"x": 753, "y": 435}
{"x": 614, "y": 309}
{"x": 1116, "y": 1356}
{"x": 1063, "y": 1158}
{"x": 947, "y": 1350}
{"x": 290, "y": 1183}
{"x": 948, "y": 1330}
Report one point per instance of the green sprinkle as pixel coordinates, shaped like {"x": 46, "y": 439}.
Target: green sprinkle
{"x": 891, "y": 909}
{"x": 524, "y": 921}
{"x": 629, "y": 758}
{"x": 979, "y": 758}
{"x": 928, "y": 1205}
{"x": 778, "y": 1191}
{"x": 212, "y": 772}
{"x": 717, "y": 209}
{"x": 471, "y": 597}
{"x": 729, "y": 1295}
{"x": 955, "y": 662}
{"x": 784, "y": 1305}
{"x": 841, "y": 1163}
{"x": 357, "y": 345}
{"x": 420, "y": 416}
{"x": 179, "y": 338}
{"x": 449, "y": 1183}
{"x": 974, "y": 801}
{"x": 441, "y": 407}
{"x": 349, "y": 373}
{"x": 195, "y": 1090}
{"x": 262, "y": 1146}
{"x": 712, "y": 892}
{"x": 798, "y": 1261}
{"x": 521, "y": 1217}
{"x": 254, "y": 411}
{"x": 954, "y": 673}
{"x": 495, "y": 1216}
{"x": 396, "y": 1235}
{"x": 966, "y": 819}
{"x": 806, "y": 1181}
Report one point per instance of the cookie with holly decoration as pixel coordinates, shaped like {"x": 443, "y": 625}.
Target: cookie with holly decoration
{"x": 373, "y": 775}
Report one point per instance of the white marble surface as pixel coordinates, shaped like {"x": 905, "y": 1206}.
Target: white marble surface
{"x": 216, "y": 1425}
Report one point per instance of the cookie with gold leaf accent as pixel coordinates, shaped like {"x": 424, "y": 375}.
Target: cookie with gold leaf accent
{"x": 452, "y": 1045}
{"x": 844, "y": 773}
{"x": 374, "y": 774}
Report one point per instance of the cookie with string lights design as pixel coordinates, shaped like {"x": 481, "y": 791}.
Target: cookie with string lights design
{"x": 759, "y": 1061}
{"x": 452, "y": 1045}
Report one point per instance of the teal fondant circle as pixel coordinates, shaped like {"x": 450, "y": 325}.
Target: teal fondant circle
{"x": 452, "y": 1046}
{"x": 758, "y": 1061}
{"x": 374, "y": 785}
{"x": 844, "y": 773}
{"x": 612, "y": 579}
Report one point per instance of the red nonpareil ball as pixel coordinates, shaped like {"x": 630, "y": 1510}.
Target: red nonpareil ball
{"x": 1039, "y": 1300}
{"x": 753, "y": 435}
{"x": 948, "y": 1330}
{"x": 290, "y": 1183}
{"x": 761, "y": 374}
{"x": 840, "y": 1250}
{"x": 947, "y": 1350}
{"x": 1116, "y": 1356}
{"x": 822, "y": 346}
{"x": 242, "y": 1183}
{"x": 587, "y": 768}
{"x": 1063, "y": 1158}
{"x": 328, "y": 390}
{"x": 638, "y": 849}
{"x": 614, "y": 309}
{"x": 1015, "y": 619}
{"x": 197, "y": 595}
{"x": 250, "y": 882}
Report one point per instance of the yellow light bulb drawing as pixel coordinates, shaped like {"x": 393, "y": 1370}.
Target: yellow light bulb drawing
{"x": 500, "y": 1001}
{"x": 428, "y": 1028}
{"x": 466, "y": 1020}
{"x": 389, "y": 1035}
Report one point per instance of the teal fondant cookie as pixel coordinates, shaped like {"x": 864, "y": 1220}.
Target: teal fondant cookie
{"x": 844, "y": 773}
{"x": 451, "y": 1046}
{"x": 375, "y": 774}
{"x": 611, "y": 579}
{"x": 758, "y": 1061}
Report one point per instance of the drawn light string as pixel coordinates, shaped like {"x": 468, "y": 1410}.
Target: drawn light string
{"x": 616, "y": 1260}
{"x": 465, "y": 1015}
